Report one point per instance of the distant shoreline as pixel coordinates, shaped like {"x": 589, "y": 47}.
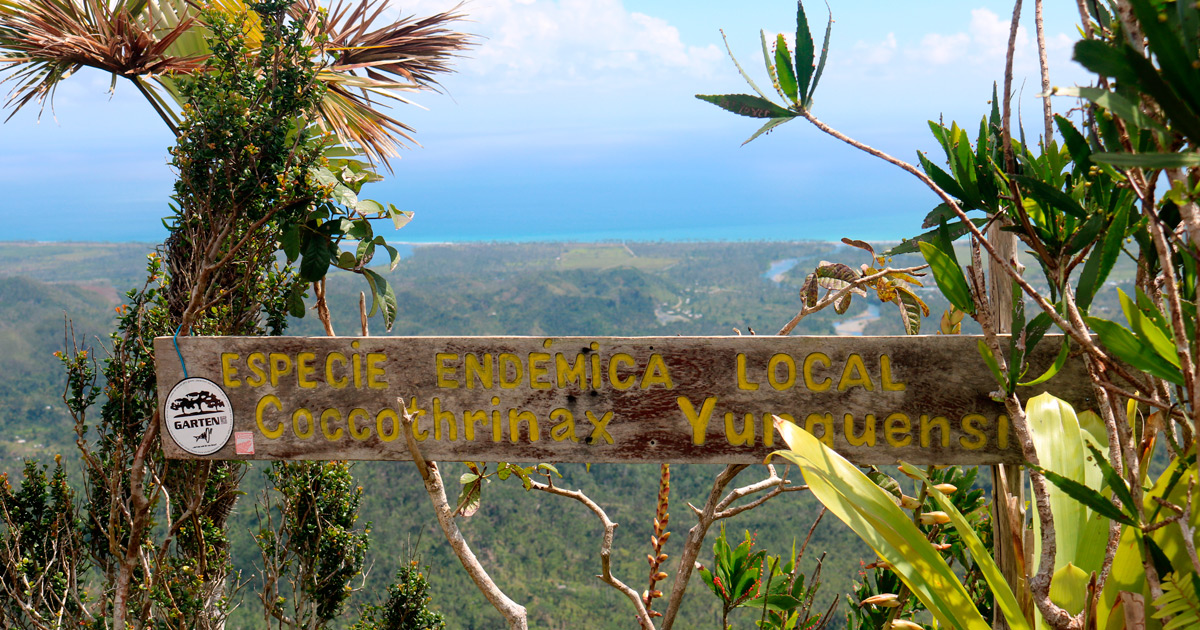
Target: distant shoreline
{"x": 493, "y": 242}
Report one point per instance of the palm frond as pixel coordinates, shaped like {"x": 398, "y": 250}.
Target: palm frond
{"x": 43, "y": 42}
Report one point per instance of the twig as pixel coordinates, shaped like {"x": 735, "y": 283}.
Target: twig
{"x": 514, "y": 614}
{"x": 834, "y": 296}
{"x": 610, "y": 529}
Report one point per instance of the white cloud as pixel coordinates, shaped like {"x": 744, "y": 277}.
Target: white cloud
{"x": 875, "y": 53}
{"x": 530, "y": 43}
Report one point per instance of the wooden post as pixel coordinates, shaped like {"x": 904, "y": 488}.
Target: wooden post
{"x": 1008, "y": 489}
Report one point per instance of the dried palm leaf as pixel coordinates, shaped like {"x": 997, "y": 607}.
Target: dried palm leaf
{"x": 43, "y": 42}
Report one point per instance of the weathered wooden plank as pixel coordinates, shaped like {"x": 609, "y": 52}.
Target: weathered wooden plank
{"x": 922, "y": 399}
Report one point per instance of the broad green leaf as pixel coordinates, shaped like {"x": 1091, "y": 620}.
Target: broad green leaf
{"x": 468, "y": 500}
{"x": 804, "y": 52}
{"x": 1173, "y": 59}
{"x": 1069, "y": 588}
{"x": 747, "y": 105}
{"x": 382, "y": 295}
{"x": 400, "y": 218}
{"x": 1105, "y": 59}
{"x": 910, "y": 311}
{"x": 1054, "y": 429}
{"x": 1131, "y": 350}
{"x": 369, "y": 206}
{"x": 1004, "y": 596}
{"x": 870, "y": 512}
{"x": 1076, "y": 144}
{"x": 289, "y": 242}
{"x": 949, "y": 276}
{"x": 1149, "y": 160}
{"x": 1148, "y": 331}
{"x": 783, "y": 66}
{"x": 943, "y": 179}
{"x": 317, "y": 257}
{"x": 296, "y": 300}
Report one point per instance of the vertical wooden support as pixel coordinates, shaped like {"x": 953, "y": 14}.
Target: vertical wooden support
{"x": 1008, "y": 490}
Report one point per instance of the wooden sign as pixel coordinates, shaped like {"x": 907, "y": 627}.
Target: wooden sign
{"x": 876, "y": 400}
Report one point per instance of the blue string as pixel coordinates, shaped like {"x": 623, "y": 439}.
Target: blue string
{"x": 178, "y": 353}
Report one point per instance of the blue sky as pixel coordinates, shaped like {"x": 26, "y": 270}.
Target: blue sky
{"x": 575, "y": 119}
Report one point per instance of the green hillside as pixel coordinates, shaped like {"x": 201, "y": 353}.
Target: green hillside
{"x": 542, "y": 549}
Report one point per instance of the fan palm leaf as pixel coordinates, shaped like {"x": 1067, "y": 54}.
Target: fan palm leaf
{"x": 368, "y": 62}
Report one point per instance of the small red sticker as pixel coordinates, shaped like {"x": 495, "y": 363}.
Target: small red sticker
{"x": 244, "y": 442}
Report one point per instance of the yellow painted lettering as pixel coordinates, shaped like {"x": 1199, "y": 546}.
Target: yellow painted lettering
{"x": 330, "y": 378}
{"x": 565, "y": 429}
{"x": 395, "y": 418}
{"x": 576, "y": 373}
{"x": 509, "y": 360}
{"x": 375, "y": 372}
{"x": 969, "y": 427}
{"x": 257, "y": 363}
{"x": 895, "y": 426}
{"x": 599, "y": 427}
{"x": 928, "y": 424}
{"x": 417, "y": 413}
{"x": 789, "y": 365}
{"x": 269, "y": 399}
{"x": 614, "y": 378}
{"x": 281, "y": 365}
{"x": 811, "y": 383}
{"x": 854, "y": 363}
{"x": 354, "y": 432}
{"x": 446, "y": 417}
{"x": 656, "y": 373}
{"x": 826, "y": 422}
{"x": 482, "y": 372}
{"x": 1002, "y": 431}
{"x": 515, "y": 419}
{"x": 228, "y": 371}
{"x": 446, "y": 372}
{"x": 309, "y": 425}
{"x": 885, "y": 375}
{"x": 336, "y": 434}
{"x": 699, "y": 421}
{"x": 471, "y": 418}
{"x": 867, "y": 436}
{"x": 745, "y": 435}
{"x": 744, "y": 383}
{"x": 539, "y": 371}
{"x": 305, "y": 370}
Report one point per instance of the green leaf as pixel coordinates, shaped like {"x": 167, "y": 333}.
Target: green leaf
{"x": 1149, "y": 331}
{"x": 289, "y": 242}
{"x": 1149, "y": 160}
{"x": 1100, "y": 263}
{"x": 400, "y": 218}
{"x": 1114, "y": 481}
{"x": 469, "y": 499}
{"x": 909, "y": 246}
{"x": 381, "y": 295}
{"x": 783, "y": 66}
{"x": 317, "y": 257}
{"x": 296, "y": 300}
{"x": 910, "y": 311}
{"x": 1116, "y": 104}
{"x": 1177, "y": 68}
{"x": 1077, "y": 145}
{"x": 1131, "y": 350}
{"x": 804, "y": 52}
{"x": 872, "y": 514}
{"x": 369, "y": 206}
{"x": 1004, "y": 597}
{"x": 820, "y": 64}
{"x": 943, "y": 179}
{"x": 990, "y": 359}
{"x": 1085, "y": 495}
{"x": 1068, "y": 588}
{"x": 1051, "y": 371}
{"x": 1104, "y": 59}
{"x": 949, "y": 276}
{"x": 747, "y": 105}
{"x": 767, "y": 127}
{"x": 1051, "y": 196}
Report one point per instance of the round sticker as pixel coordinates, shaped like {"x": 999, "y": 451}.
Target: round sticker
{"x": 199, "y": 416}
